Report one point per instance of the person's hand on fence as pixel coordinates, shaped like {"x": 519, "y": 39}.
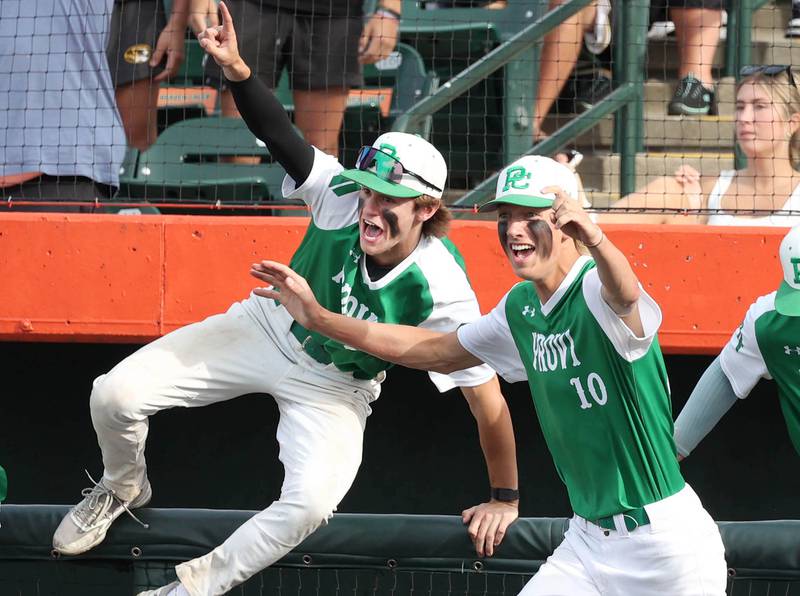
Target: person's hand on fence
{"x": 488, "y": 523}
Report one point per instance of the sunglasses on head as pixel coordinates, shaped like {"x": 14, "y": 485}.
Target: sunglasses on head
{"x": 770, "y": 70}
{"x": 386, "y": 166}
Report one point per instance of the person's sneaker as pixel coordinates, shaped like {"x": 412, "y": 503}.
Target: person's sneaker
{"x": 661, "y": 30}
{"x": 173, "y": 589}
{"x": 589, "y": 91}
{"x": 793, "y": 28}
{"x": 86, "y": 524}
{"x": 691, "y": 98}
{"x": 584, "y": 89}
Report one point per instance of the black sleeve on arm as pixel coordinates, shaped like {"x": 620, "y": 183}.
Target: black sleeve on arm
{"x": 267, "y": 119}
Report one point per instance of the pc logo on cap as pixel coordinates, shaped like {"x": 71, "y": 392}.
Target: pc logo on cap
{"x": 521, "y": 183}
{"x": 787, "y": 300}
{"x": 400, "y": 165}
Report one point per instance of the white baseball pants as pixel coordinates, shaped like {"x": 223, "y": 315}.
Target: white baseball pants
{"x": 679, "y": 553}
{"x": 246, "y": 350}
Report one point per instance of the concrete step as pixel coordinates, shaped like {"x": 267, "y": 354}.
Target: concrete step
{"x": 769, "y": 47}
{"x": 600, "y": 171}
{"x": 772, "y": 16}
{"x": 662, "y": 132}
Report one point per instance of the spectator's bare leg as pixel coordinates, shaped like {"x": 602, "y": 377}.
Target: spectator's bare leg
{"x": 137, "y": 104}
{"x": 697, "y": 34}
{"x": 319, "y": 114}
{"x": 559, "y": 56}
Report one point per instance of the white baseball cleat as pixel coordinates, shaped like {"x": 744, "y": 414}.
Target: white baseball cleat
{"x": 173, "y": 589}
{"x": 86, "y": 524}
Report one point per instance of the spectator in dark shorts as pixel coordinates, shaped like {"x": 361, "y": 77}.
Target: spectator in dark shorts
{"x": 321, "y": 43}
{"x": 62, "y": 137}
{"x": 697, "y": 25}
{"x": 145, "y": 48}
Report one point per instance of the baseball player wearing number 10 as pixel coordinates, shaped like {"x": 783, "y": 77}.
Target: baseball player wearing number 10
{"x": 582, "y": 332}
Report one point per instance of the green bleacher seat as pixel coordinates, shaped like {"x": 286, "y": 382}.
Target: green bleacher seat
{"x": 185, "y": 164}
{"x": 390, "y": 88}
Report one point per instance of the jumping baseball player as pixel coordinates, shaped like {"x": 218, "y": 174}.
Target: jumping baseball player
{"x": 374, "y": 250}
{"x": 766, "y": 345}
{"x": 582, "y": 332}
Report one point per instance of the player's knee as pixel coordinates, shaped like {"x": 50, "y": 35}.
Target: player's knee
{"x": 113, "y": 398}
{"x": 311, "y": 510}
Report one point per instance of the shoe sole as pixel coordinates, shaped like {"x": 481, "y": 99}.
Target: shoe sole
{"x": 682, "y": 110}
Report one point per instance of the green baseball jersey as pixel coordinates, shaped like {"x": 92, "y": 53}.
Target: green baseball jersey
{"x": 600, "y": 392}
{"x": 767, "y": 345}
{"x": 429, "y": 288}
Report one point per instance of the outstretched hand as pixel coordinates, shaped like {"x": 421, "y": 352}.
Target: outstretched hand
{"x": 288, "y": 288}
{"x": 220, "y": 41}
{"x": 488, "y": 523}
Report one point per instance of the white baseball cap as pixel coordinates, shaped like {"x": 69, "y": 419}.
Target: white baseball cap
{"x": 787, "y": 300}
{"x": 521, "y": 183}
{"x": 400, "y": 165}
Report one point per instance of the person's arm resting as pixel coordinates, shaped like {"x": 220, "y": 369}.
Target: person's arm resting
{"x": 488, "y": 522}
{"x": 711, "y": 398}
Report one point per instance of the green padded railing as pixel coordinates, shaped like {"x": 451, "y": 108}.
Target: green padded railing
{"x": 354, "y": 554}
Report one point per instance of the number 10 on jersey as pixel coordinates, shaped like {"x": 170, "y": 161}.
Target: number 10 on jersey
{"x": 596, "y": 387}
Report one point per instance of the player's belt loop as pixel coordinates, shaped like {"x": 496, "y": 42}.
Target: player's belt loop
{"x": 634, "y": 518}
{"x": 309, "y": 345}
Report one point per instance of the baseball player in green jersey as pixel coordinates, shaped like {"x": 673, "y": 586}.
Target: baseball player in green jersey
{"x": 375, "y": 249}
{"x": 582, "y": 332}
{"x": 766, "y": 345}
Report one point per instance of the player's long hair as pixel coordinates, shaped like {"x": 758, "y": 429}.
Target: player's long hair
{"x": 438, "y": 225}
{"x": 786, "y": 98}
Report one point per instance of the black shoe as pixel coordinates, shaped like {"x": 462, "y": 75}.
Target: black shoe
{"x": 692, "y": 99}
{"x": 583, "y": 91}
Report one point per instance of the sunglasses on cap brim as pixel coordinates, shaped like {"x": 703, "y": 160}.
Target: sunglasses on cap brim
{"x": 770, "y": 70}
{"x": 386, "y": 166}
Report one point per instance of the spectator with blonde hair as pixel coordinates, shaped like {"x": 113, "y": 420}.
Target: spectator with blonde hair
{"x": 765, "y": 193}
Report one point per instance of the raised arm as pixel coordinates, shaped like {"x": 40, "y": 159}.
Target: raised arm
{"x": 620, "y": 286}
{"x": 489, "y": 521}
{"x": 260, "y": 109}
{"x": 414, "y": 347}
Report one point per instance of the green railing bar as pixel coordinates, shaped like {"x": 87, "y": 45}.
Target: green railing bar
{"x": 491, "y": 62}
{"x": 629, "y": 69}
{"x": 613, "y": 102}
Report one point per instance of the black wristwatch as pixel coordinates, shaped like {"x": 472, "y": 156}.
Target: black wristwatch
{"x": 505, "y": 494}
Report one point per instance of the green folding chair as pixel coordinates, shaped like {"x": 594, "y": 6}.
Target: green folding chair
{"x": 186, "y": 164}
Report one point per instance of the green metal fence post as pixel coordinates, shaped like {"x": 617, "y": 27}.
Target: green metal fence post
{"x": 630, "y": 53}
{"x": 738, "y": 50}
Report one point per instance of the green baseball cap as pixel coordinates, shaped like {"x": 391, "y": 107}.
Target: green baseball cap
{"x": 787, "y": 300}
{"x": 521, "y": 183}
